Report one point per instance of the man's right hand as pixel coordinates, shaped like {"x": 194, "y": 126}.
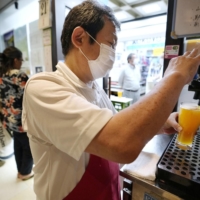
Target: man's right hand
{"x": 185, "y": 65}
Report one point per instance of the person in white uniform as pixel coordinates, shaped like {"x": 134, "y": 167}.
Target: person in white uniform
{"x": 129, "y": 79}
{"x": 70, "y": 120}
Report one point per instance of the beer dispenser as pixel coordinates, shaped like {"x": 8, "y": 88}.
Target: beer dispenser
{"x": 178, "y": 171}
{"x": 195, "y": 86}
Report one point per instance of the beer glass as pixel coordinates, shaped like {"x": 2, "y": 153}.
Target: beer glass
{"x": 197, "y": 46}
{"x": 189, "y": 120}
{"x": 119, "y": 93}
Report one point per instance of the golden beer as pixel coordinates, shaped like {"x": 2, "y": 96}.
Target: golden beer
{"x": 119, "y": 93}
{"x": 189, "y": 120}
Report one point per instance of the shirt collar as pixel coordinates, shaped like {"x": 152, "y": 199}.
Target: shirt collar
{"x": 132, "y": 66}
{"x": 69, "y": 75}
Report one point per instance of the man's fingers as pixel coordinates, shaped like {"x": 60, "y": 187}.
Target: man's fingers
{"x": 193, "y": 53}
{"x": 197, "y": 46}
{"x": 187, "y": 53}
{"x": 198, "y": 56}
{"x": 172, "y": 120}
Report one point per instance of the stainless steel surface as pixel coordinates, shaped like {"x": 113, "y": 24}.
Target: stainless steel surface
{"x": 158, "y": 144}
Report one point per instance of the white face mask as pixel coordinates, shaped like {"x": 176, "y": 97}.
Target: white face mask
{"x": 104, "y": 62}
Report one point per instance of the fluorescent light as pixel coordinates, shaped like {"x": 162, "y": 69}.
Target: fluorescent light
{"x": 153, "y": 31}
{"x": 71, "y": 4}
{"x": 151, "y": 8}
{"x": 122, "y": 15}
{"x": 104, "y": 2}
{"x": 145, "y": 22}
{"x": 111, "y": 5}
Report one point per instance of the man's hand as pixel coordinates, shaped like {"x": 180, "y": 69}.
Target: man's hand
{"x": 171, "y": 125}
{"x": 185, "y": 65}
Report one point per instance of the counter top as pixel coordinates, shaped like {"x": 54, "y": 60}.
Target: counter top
{"x": 120, "y": 99}
{"x": 156, "y": 145}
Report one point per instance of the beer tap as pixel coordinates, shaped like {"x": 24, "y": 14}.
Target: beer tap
{"x": 195, "y": 86}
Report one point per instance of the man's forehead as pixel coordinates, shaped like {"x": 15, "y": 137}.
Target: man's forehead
{"x": 109, "y": 24}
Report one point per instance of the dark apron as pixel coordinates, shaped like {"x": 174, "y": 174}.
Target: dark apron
{"x": 99, "y": 182}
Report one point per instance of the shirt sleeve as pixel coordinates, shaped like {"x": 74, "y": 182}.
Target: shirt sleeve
{"x": 57, "y": 115}
{"x": 22, "y": 79}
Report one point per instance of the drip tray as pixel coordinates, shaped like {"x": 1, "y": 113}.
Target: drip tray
{"x": 178, "y": 171}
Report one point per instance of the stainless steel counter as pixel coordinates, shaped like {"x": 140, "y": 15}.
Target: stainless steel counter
{"x": 145, "y": 189}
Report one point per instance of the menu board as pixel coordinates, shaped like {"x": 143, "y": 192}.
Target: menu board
{"x": 186, "y": 18}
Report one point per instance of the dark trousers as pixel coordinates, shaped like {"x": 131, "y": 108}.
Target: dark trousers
{"x": 23, "y": 156}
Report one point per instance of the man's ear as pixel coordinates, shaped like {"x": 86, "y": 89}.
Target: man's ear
{"x": 78, "y": 36}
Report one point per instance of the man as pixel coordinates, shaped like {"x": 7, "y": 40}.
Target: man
{"x": 129, "y": 79}
{"x": 76, "y": 136}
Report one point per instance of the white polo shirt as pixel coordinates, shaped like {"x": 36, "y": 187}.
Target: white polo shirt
{"x": 129, "y": 78}
{"x": 62, "y": 115}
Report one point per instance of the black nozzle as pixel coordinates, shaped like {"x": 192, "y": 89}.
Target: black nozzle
{"x": 195, "y": 86}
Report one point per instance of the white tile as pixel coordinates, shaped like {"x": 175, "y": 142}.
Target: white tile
{"x": 29, "y": 182}
{"x": 12, "y": 188}
{"x": 26, "y": 194}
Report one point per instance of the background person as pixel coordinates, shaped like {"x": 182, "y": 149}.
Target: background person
{"x": 12, "y": 83}
{"x": 76, "y": 136}
{"x": 129, "y": 79}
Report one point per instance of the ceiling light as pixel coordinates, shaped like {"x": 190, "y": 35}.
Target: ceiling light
{"x": 122, "y": 16}
{"x": 144, "y": 22}
{"x": 151, "y": 8}
{"x": 131, "y": 1}
{"x": 104, "y": 2}
{"x": 111, "y": 5}
{"x": 126, "y": 7}
{"x": 71, "y": 4}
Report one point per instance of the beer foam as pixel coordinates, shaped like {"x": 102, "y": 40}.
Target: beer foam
{"x": 189, "y": 106}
